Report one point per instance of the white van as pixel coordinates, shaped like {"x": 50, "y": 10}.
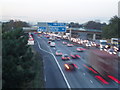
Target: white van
{"x": 103, "y": 43}
{"x": 52, "y": 44}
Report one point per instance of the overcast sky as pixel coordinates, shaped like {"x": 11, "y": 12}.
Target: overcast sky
{"x": 79, "y": 11}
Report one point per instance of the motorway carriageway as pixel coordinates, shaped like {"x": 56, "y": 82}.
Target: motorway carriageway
{"x": 56, "y": 76}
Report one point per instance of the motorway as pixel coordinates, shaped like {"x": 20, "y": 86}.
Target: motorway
{"x": 56, "y": 76}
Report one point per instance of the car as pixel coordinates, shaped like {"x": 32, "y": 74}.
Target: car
{"x": 35, "y": 32}
{"x": 80, "y": 49}
{"x": 47, "y": 36}
{"x": 39, "y": 35}
{"x": 94, "y": 44}
{"x": 52, "y": 44}
{"x": 97, "y": 45}
{"x": 58, "y": 38}
{"x": 88, "y": 45}
{"x": 31, "y": 39}
{"x": 65, "y": 57}
{"x": 69, "y": 45}
{"x": 74, "y": 55}
{"x": 70, "y": 66}
{"x": 112, "y": 51}
{"x": 64, "y": 42}
{"x": 58, "y": 52}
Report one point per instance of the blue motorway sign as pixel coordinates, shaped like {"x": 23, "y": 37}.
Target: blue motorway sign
{"x": 56, "y": 24}
{"x": 42, "y": 29}
{"x": 57, "y": 29}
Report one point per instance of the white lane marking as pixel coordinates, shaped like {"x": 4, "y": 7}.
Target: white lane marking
{"x": 47, "y": 46}
{"x": 68, "y": 85}
{"x": 91, "y": 81}
{"x": 42, "y": 49}
{"x": 62, "y": 72}
{"x": 83, "y": 73}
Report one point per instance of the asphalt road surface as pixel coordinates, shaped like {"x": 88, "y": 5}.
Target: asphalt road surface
{"x": 56, "y": 76}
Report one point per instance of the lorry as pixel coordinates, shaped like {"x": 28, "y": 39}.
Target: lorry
{"x": 104, "y": 63}
{"x": 103, "y": 43}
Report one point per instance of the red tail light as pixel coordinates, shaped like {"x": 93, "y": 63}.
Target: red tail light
{"x": 77, "y": 55}
{"x": 93, "y": 70}
{"x": 75, "y": 65}
{"x": 72, "y": 56}
{"x": 63, "y": 58}
{"x": 113, "y": 78}
{"x": 90, "y": 69}
{"x": 68, "y": 57}
{"x": 101, "y": 79}
{"x": 85, "y": 66}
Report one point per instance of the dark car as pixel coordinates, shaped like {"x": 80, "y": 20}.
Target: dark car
{"x": 58, "y": 53}
{"x": 69, "y": 45}
{"x": 74, "y": 55}
{"x": 65, "y": 57}
{"x": 70, "y": 66}
{"x": 80, "y": 49}
{"x": 64, "y": 42}
{"x": 112, "y": 51}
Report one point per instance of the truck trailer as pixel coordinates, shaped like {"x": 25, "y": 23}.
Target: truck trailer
{"x": 104, "y": 63}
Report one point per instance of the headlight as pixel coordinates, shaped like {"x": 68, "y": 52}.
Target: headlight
{"x": 110, "y": 52}
{"x": 105, "y": 49}
{"x": 106, "y": 46}
{"x": 114, "y": 53}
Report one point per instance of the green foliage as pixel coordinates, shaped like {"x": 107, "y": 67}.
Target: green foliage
{"x": 94, "y": 25}
{"x": 111, "y": 30}
{"x": 74, "y": 25}
{"x": 11, "y": 25}
{"x": 16, "y": 59}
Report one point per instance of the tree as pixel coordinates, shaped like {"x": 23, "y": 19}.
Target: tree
{"x": 7, "y": 26}
{"x": 17, "y": 57}
{"x": 111, "y": 30}
{"x": 94, "y": 25}
{"x": 74, "y": 25}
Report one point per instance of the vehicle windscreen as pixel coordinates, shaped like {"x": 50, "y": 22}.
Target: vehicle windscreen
{"x": 59, "y": 51}
{"x": 103, "y": 43}
{"x": 65, "y": 55}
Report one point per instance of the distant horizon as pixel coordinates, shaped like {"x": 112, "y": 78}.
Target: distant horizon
{"x": 79, "y": 11}
{"x": 82, "y": 21}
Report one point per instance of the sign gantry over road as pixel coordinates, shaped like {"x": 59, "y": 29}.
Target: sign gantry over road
{"x": 52, "y": 27}
{"x": 57, "y": 27}
{"x": 56, "y": 24}
{"x": 42, "y": 29}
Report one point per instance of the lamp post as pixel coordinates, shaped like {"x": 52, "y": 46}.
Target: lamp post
{"x": 70, "y": 34}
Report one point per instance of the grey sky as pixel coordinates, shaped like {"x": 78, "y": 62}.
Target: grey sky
{"x": 61, "y": 10}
